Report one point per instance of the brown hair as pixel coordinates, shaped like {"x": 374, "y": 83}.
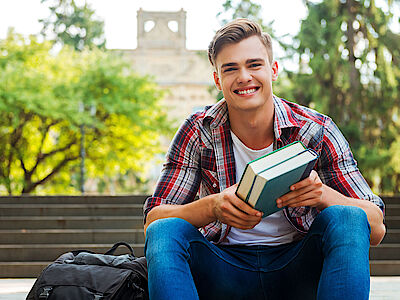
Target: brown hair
{"x": 235, "y": 32}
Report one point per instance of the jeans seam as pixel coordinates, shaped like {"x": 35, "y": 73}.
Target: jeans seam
{"x": 221, "y": 257}
{"x": 308, "y": 237}
{"x": 263, "y": 287}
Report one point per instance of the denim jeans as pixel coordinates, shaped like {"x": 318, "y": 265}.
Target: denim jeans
{"x": 330, "y": 262}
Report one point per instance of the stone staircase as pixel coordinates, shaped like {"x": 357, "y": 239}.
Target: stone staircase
{"x": 385, "y": 258}
{"x": 34, "y": 231}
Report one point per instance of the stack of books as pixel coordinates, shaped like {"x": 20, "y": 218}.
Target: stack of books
{"x": 269, "y": 177}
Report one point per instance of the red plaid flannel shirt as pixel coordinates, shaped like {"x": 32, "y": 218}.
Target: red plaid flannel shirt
{"x": 200, "y": 161}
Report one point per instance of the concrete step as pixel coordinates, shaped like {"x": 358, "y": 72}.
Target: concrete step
{"x": 385, "y": 252}
{"x": 18, "y": 269}
{"x": 384, "y": 267}
{"x": 50, "y": 252}
{"x": 392, "y": 222}
{"x": 128, "y": 199}
{"x": 73, "y": 236}
{"x": 392, "y": 210}
{"x": 41, "y": 209}
{"x": 391, "y": 199}
{"x": 81, "y": 222}
{"x": 392, "y": 236}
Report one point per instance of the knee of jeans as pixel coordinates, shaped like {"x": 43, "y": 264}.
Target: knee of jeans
{"x": 346, "y": 220}
{"x": 166, "y": 234}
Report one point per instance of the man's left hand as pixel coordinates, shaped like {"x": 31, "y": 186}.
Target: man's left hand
{"x": 308, "y": 192}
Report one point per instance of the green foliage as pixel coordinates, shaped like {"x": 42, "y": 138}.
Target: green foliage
{"x": 45, "y": 98}
{"x": 243, "y": 9}
{"x": 349, "y": 69}
{"x": 73, "y": 25}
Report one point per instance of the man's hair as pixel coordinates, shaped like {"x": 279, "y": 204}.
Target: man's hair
{"x": 235, "y": 32}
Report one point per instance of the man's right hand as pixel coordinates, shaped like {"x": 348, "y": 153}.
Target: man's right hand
{"x": 225, "y": 207}
{"x": 231, "y": 210}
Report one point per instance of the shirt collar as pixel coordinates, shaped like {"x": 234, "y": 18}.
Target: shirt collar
{"x": 218, "y": 113}
{"x": 284, "y": 117}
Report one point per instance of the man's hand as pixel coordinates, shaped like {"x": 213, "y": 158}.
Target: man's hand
{"x": 231, "y": 210}
{"x": 308, "y": 192}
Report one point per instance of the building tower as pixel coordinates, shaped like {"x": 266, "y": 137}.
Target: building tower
{"x": 161, "y": 30}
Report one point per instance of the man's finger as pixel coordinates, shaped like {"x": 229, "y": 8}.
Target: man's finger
{"x": 233, "y": 211}
{"x": 307, "y": 202}
{"x": 246, "y": 208}
{"x": 299, "y": 201}
{"x": 313, "y": 178}
{"x": 241, "y": 223}
{"x": 293, "y": 195}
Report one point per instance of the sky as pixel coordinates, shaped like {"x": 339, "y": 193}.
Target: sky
{"x": 120, "y": 18}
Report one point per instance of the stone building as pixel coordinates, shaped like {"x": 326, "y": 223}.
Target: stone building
{"x": 161, "y": 51}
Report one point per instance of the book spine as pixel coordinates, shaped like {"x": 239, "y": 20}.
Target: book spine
{"x": 237, "y": 195}
{"x": 310, "y": 166}
{"x": 244, "y": 173}
{"x": 251, "y": 189}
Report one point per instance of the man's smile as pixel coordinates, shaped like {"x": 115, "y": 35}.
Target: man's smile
{"x": 246, "y": 91}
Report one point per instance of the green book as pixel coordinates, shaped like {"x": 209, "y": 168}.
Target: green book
{"x": 270, "y": 176}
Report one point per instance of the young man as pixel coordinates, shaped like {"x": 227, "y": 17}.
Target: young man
{"x": 218, "y": 247}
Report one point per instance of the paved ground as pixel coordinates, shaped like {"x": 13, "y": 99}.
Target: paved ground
{"x": 382, "y": 288}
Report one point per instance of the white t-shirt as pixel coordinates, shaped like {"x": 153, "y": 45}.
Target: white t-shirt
{"x": 272, "y": 230}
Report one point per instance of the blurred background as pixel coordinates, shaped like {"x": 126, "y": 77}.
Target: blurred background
{"x": 92, "y": 92}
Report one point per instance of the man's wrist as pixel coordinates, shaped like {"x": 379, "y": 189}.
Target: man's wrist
{"x": 211, "y": 202}
{"x": 332, "y": 197}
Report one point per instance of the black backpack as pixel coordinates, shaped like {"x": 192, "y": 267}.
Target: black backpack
{"x": 83, "y": 274}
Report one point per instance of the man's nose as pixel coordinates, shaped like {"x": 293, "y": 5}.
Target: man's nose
{"x": 244, "y": 75}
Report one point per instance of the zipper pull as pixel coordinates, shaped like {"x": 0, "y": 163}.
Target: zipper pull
{"x": 45, "y": 293}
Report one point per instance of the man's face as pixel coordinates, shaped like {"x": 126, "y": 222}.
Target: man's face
{"x": 245, "y": 75}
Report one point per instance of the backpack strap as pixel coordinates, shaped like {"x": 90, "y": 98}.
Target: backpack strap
{"x": 116, "y": 245}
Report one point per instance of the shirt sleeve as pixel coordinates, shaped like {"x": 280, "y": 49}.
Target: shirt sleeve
{"x": 180, "y": 177}
{"x": 338, "y": 168}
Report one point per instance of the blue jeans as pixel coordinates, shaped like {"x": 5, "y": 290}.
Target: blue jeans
{"x": 330, "y": 262}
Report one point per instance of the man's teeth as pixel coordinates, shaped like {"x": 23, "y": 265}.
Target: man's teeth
{"x": 244, "y": 92}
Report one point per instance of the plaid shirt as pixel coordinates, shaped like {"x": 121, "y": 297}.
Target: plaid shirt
{"x": 201, "y": 160}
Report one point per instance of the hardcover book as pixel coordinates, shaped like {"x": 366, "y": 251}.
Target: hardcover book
{"x": 270, "y": 176}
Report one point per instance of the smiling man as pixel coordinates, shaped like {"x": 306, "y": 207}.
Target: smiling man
{"x": 217, "y": 246}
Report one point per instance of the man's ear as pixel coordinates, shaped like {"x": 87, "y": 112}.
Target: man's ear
{"x": 274, "y": 70}
{"x": 217, "y": 82}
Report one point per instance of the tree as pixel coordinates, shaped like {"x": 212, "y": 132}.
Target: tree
{"x": 243, "y": 9}
{"x": 77, "y": 26}
{"x": 349, "y": 68}
{"x": 40, "y": 116}
{"x": 74, "y": 25}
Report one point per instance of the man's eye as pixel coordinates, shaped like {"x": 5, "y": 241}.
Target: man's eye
{"x": 255, "y": 65}
{"x": 229, "y": 70}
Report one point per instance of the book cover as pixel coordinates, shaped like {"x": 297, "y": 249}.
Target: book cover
{"x": 275, "y": 180}
{"x": 269, "y": 187}
{"x": 266, "y": 161}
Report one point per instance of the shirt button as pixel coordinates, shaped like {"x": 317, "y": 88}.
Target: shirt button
{"x": 214, "y": 185}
